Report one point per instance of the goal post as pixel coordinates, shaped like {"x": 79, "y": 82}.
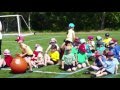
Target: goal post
{"x": 19, "y": 18}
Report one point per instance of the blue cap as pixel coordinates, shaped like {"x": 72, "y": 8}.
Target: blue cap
{"x": 72, "y": 25}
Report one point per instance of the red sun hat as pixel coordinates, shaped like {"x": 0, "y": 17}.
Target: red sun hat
{"x": 82, "y": 48}
{"x": 19, "y": 38}
{"x": 90, "y": 37}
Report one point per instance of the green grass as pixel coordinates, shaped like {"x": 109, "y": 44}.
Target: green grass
{"x": 43, "y": 39}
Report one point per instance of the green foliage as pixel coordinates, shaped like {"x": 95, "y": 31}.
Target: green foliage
{"x": 58, "y": 21}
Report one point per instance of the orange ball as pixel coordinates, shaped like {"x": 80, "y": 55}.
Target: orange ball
{"x": 18, "y": 65}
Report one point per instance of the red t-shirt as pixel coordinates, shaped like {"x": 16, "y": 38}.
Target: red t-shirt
{"x": 8, "y": 60}
{"x": 36, "y": 54}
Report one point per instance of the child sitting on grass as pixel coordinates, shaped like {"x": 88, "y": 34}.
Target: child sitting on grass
{"x": 68, "y": 60}
{"x": 37, "y": 59}
{"x": 53, "y": 57}
{"x": 110, "y": 66}
{"x": 7, "y": 59}
{"x": 82, "y": 58}
{"x": 53, "y": 41}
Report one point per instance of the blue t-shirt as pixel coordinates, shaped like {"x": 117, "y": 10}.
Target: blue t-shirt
{"x": 99, "y": 64}
{"x": 109, "y": 65}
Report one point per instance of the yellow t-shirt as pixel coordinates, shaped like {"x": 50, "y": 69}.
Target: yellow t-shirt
{"x": 26, "y": 49}
{"x": 107, "y": 40}
{"x": 55, "y": 56}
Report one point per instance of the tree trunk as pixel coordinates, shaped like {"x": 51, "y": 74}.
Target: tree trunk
{"x": 103, "y": 21}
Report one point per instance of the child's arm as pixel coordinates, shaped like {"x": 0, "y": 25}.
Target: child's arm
{"x": 116, "y": 69}
{"x": 62, "y": 66}
{"x": 48, "y": 49}
{"x": 87, "y": 62}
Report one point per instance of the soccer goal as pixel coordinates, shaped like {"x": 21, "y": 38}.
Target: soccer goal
{"x": 15, "y": 25}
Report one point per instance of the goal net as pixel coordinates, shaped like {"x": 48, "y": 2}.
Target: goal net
{"x": 15, "y": 25}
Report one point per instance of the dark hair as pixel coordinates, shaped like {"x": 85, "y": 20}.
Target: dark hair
{"x": 53, "y": 47}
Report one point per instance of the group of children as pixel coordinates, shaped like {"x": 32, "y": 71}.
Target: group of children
{"x": 74, "y": 53}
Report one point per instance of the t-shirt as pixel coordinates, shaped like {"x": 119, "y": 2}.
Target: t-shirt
{"x": 0, "y": 35}
{"x": 107, "y": 40}
{"x": 97, "y": 61}
{"x": 8, "y": 60}
{"x": 82, "y": 57}
{"x": 100, "y": 49}
{"x": 55, "y": 56}
{"x": 36, "y": 55}
{"x": 26, "y": 49}
{"x": 110, "y": 66}
{"x": 68, "y": 58}
{"x": 70, "y": 34}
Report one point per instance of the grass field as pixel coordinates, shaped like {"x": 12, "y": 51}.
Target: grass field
{"x": 51, "y": 71}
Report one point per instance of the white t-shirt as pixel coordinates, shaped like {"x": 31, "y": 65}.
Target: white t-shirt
{"x": 0, "y": 35}
{"x": 70, "y": 34}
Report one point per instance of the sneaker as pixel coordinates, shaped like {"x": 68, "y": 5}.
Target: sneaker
{"x": 30, "y": 71}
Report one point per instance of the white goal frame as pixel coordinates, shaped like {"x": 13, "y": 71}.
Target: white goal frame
{"x": 18, "y": 24}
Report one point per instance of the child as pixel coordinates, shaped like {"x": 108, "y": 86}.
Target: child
{"x": 67, "y": 42}
{"x": 115, "y": 49}
{"x": 109, "y": 66}
{"x": 7, "y": 59}
{"x": 53, "y": 57}
{"x": 100, "y": 47}
{"x": 27, "y": 52}
{"x": 53, "y": 41}
{"x": 107, "y": 39}
{"x": 0, "y": 38}
{"x": 71, "y": 32}
{"x": 37, "y": 59}
{"x": 91, "y": 43}
{"x": 82, "y": 57}
{"x": 97, "y": 64}
{"x": 68, "y": 60}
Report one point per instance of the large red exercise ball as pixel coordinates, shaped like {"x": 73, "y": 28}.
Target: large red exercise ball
{"x": 18, "y": 65}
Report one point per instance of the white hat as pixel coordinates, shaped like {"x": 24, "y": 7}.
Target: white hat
{"x": 82, "y": 40}
{"x": 39, "y": 49}
{"x": 53, "y": 40}
{"x": 6, "y": 52}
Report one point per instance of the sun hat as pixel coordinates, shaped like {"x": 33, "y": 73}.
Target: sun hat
{"x": 98, "y": 38}
{"x": 53, "y": 40}
{"x": 90, "y": 37}
{"x": 72, "y": 25}
{"x": 19, "y": 38}
{"x": 82, "y": 41}
{"x": 110, "y": 53}
{"x": 39, "y": 49}
{"x": 82, "y": 48}
{"x": 6, "y": 52}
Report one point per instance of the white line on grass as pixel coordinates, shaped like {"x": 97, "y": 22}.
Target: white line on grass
{"x": 35, "y": 39}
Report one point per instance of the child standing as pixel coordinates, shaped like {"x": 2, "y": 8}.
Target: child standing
{"x": 7, "y": 59}
{"x": 71, "y": 32}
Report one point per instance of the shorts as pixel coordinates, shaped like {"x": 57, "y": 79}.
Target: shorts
{"x": 55, "y": 62}
{"x": 107, "y": 72}
{"x": 28, "y": 56}
{"x": 66, "y": 67}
